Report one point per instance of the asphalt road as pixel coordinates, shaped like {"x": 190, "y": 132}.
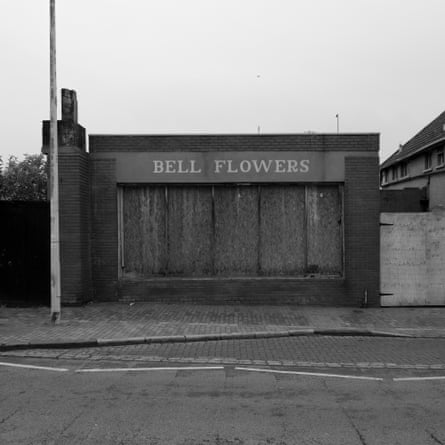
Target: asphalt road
{"x": 220, "y": 406}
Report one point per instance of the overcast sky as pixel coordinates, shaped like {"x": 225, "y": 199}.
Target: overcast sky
{"x": 225, "y": 66}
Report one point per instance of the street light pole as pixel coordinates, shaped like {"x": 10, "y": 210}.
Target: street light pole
{"x": 54, "y": 174}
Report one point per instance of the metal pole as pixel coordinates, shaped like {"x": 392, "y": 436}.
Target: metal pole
{"x": 338, "y": 123}
{"x": 54, "y": 174}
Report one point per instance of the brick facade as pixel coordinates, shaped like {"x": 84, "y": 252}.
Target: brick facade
{"x": 360, "y": 284}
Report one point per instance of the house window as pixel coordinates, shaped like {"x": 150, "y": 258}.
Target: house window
{"x": 440, "y": 158}
{"x": 395, "y": 172}
{"x": 428, "y": 161}
{"x": 383, "y": 177}
{"x": 403, "y": 169}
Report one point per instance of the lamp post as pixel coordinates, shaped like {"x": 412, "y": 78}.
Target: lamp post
{"x": 54, "y": 174}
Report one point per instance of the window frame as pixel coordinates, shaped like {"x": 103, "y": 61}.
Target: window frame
{"x": 428, "y": 162}
{"x": 440, "y": 154}
{"x": 403, "y": 169}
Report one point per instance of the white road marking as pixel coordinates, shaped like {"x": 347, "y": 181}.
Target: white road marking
{"x": 410, "y": 379}
{"x": 44, "y": 368}
{"x": 183, "y": 368}
{"x": 314, "y": 374}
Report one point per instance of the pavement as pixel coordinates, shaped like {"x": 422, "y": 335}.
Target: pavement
{"x": 117, "y": 324}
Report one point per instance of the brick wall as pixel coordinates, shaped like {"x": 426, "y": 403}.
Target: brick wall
{"x": 320, "y": 292}
{"x": 104, "y": 237}
{"x": 74, "y": 225}
{"x": 362, "y": 232}
{"x": 267, "y": 142}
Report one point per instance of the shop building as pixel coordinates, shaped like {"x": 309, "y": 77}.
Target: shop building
{"x": 270, "y": 219}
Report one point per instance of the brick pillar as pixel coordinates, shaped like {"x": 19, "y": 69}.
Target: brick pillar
{"x": 74, "y": 196}
{"x": 104, "y": 236}
{"x": 362, "y": 230}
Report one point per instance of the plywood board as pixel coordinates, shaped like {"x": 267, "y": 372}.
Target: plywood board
{"x": 324, "y": 229}
{"x": 190, "y": 231}
{"x": 282, "y": 240}
{"x": 144, "y": 230}
{"x": 436, "y": 258}
{"x": 412, "y": 252}
{"x": 236, "y": 230}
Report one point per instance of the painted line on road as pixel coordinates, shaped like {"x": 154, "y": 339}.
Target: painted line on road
{"x": 43, "y": 368}
{"x": 313, "y": 374}
{"x": 177, "y": 368}
{"x": 413, "y": 379}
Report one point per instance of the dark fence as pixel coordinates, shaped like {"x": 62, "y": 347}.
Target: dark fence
{"x": 405, "y": 200}
{"x": 24, "y": 252}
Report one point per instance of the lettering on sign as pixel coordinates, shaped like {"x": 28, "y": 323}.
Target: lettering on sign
{"x": 230, "y": 166}
{"x": 175, "y": 166}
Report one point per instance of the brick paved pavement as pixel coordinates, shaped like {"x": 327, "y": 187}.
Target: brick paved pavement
{"x": 118, "y": 320}
{"x": 313, "y": 351}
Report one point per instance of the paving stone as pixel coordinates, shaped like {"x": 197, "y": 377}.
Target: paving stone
{"x": 117, "y": 320}
{"x": 113, "y": 320}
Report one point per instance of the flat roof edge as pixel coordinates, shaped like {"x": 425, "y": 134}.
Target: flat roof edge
{"x": 226, "y": 134}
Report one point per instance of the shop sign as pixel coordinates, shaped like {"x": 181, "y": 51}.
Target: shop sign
{"x": 228, "y": 166}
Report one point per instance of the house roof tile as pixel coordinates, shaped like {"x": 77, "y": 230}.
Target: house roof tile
{"x": 433, "y": 132}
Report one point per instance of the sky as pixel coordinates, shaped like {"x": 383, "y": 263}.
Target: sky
{"x": 225, "y": 66}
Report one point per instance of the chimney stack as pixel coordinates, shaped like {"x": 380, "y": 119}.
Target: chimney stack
{"x": 69, "y": 105}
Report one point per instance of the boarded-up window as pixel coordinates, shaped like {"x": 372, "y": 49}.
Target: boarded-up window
{"x": 236, "y": 230}
{"x": 282, "y": 242}
{"x": 232, "y": 230}
{"x": 190, "y": 234}
{"x": 324, "y": 243}
{"x": 144, "y": 231}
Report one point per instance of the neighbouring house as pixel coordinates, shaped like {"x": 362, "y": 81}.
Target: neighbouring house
{"x": 420, "y": 163}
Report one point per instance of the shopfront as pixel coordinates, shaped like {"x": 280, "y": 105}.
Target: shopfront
{"x": 265, "y": 219}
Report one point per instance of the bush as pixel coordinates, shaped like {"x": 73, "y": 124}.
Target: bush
{"x": 24, "y": 180}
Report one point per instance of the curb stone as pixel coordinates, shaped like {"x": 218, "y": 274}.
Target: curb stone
{"x": 91, "y": 343}
{"x": 243, "y": 362}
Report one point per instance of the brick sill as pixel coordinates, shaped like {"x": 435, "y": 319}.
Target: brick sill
{"x": 196, "y": 279}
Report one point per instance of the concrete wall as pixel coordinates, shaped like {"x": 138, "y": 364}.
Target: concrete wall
{"x": 413, "y": 258}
